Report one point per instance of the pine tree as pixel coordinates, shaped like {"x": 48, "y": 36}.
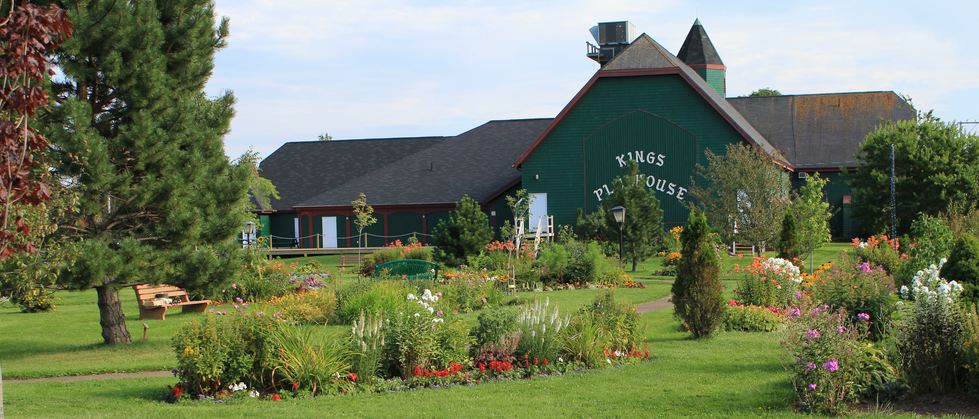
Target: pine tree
{"x": 642, "y": 230}
{"x": 788, "y": 244}
{"x": 697, "y": 300}
{"x": 141, "y": 146}
{"x": 464, "y": 233}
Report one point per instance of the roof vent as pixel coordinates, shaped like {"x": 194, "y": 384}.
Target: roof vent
{"x": 612, "y": 38}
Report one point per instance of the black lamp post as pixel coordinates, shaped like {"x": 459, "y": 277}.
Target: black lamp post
{"x": 618, "y": 212}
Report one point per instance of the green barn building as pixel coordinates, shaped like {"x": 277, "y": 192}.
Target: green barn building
{"x": 644, "y": 104}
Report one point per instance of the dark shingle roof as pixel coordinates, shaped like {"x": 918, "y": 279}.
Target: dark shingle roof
{"x": 301, "y": 170}
{"x": 697, "y": 48}
{"x": 474, "y": 163}
{"x": 821, "y": 130}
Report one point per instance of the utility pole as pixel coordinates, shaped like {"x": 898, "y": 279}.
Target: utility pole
{"x": 893, "y": 198}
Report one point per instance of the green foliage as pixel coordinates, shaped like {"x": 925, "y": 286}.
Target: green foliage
{"x": 218, "y": 351}
{"x": 856, "y": 291}
{"x": 746, "y": 187}
{"x": 963, "y": 266}
{"x": 697, "y": 300}
{"x": 882, "y": 252}
{"x": 367, "y": 346}
{"x": 309, "y": 363}
{"x": 750, "y": 318}
{"x": 963, "y": 219}
{"x": 462, "y": 234}
{"x": 453, "y": 342}
{"x": 789, "y": 245}
{"x": 586, "y": 261}
{"x": 824, "y": 349}
{"x": 970, "y": 349}
{"x": 310, "y": 307}
{"x": 261, "y": 191}
{"x": 932, "y": 241}
{"x": 158, "y": 198}
{"x": 259, "y": 279}
{"x": 385, "y": 298}
{"x": 519, "y": 203}
{"x": 764, "y": 92}
{"x": 876, "y": 376}
{"x": 812, "y": 214}
{"x": 769, "y": 283}
{"x": 616, "y": 321}
{"x": 554, "y": 261}
{"x": 418, "y": 339}
{"x": 540, "y": 328}
{"x": 395, "y": 251}
{"x": 35, "y": 300}
{"x": 642, "y": 230}
{"x": 582, "y": 341}
{"x": 470, "y": 292}
{"x": 494, "y": 324}
{"x": 936, "y": 168}
{"x": 931, "y": 345}
{"x": 363, "y": 217}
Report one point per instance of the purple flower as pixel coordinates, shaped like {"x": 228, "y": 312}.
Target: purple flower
{"x": 811, "y": 387}
{"x": 831, "y": 365}
{"x": 439, "y": 294}
{"x": 864, "y": 267}
{"x": 795, "y": 312}
{"x": 864, "y": 317}
{"x": 840, "y": 329}
{"x": 812, "y": 334}
{"x": 798, "y": 294}
{"x": 816, "y": 311}
{"x": 439, "y": 312}
{"x": 810, "y": 366}
{"x": 239, "y": 300}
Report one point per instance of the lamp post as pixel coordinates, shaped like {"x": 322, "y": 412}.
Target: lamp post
{"x": 618, "y": 212}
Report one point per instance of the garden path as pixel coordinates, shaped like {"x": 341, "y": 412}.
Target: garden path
{"x": 665, "y": 302}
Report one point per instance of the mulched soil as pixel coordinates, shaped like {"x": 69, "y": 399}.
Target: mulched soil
{"x": 928, "y": 405}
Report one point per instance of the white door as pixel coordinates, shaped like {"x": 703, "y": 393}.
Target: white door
{"x": 329, "y": 231}
{"x": 295, "y": 227}
{"x": 538, "y": 212}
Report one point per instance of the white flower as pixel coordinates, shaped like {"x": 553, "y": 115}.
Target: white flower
{"x": 253, "y": 394}
{"x": 416, "y": 314}
{"x": 412, "y": 297}
{"x": 431, "y": 310}
{"x": 437, "y": 320}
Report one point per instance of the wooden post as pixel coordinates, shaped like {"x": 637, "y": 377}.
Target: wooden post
{"x": 146, "y": 328}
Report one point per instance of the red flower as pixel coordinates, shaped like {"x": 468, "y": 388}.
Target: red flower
{"x": 418, "y": 371}
{"x": 545, "y": 362}
{"x": 276, "y": 397}
{"x": 177, "y": 391}
{"x": 732, "y": 302}
{"x": 482, "y": 368}
{"x": 535, "y": 361}
{"x": 295, "y": 386}
{"x": 353, "y": 377}
{"x": 526, "y": 356}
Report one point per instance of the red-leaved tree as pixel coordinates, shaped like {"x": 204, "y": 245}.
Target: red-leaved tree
{"x": 28, "y": 35}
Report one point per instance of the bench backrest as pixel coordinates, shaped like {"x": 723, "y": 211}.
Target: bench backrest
{"x": 412, "y": 268}
{"x": 147, "y": 292}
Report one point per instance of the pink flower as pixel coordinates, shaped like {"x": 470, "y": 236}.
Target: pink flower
{"x": 439, "y": 312}
{"x": 795, "y": 312}
{"x": 840, "y": 329}
{"x": 864, "y": 317}
{"x": 812, "y": 334}
{"x": 831, "y": 365}
{"x": 798, "y": 294}
{"x": 810, "y": 366}
{"x": 811, "y": 387}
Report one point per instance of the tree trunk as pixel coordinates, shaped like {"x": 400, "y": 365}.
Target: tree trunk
{"x": 111, "y": 317}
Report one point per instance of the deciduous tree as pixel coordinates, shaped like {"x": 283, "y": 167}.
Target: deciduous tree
{"x": 812, "y": 214}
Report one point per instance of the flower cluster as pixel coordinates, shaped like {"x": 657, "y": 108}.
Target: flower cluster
{"x": 427, "y": 303}
{"x": 874, "y": 241}
{"x": 496, "y": 245}
{"x": 782, "y": 268}
{"x": 928, "y": 286}
{"x": 454, "y": 368}
{"x": 498, "y": 367}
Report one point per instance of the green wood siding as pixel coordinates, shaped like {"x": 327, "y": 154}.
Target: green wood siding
{"x": 282, "y": 228}
{"x": 402, "y": 225}
{"x": 715, "y": 78}
{"x": 671, "y": 116}
{"x": 843, "y": 226}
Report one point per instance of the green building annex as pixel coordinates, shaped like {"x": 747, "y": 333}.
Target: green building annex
{"x": 644, "y": 104}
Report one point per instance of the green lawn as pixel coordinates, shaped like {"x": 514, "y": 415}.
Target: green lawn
{"x": 732, "y": 375}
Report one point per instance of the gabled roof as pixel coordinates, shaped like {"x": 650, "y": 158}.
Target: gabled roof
{"x": 474, "y": 163}
{"x": 821, "y": 131}
{"x": 646, "y": 57}
{"x": 697, "y": 49}
{"x": 301, "y": 170}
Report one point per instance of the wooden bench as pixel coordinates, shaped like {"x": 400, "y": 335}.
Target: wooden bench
{"x": 348, "y": 261}
{"x": 408, "y": 269}
{"x": 154, "y": 300}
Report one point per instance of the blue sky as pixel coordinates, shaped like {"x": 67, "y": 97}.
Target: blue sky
{"x": 370, "y": 69}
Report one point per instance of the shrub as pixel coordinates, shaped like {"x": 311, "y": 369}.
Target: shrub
{"x": 452, "y": 343}
{"x": 788, "y": 244}
{"x": 582, "y": 342}
{"x": 697, "y": 290}
{"x": 554, "y": 261}
{"x": 372, "y": 297}
{"x": 612, "y": 276}
{"x": 260, "y": 279}
{"x": 771, "y": 282}
{"x": 493, "y": 257}
{"x": 462, "y": 234}
{"x": 932, "y": 240}
{"x": 367, "y": 346}
{"x": 216, "y": 351}
{"x": 585, "y": 261}
{"x": 963, "y": 266}
{"x": 494, "y": 324}
{"x": 876, "y": 378}
{"x": 422, "y": 338}
{"x": 970, "y": 350}
{"x": 861, "y": 291}
{"x": 617, "y": 321}
{"x": 393, "y": 251}
{"x": 824, "y": 350}
{"x": 470, "y": 291}
{"x": 303, "y": 362}
{"x": 501, "y": 350}
{"x": 310, "y": 307}
{"x": 742, "y": 318}
{"x": 933, "y": 337}
{"x": 35, "y": 300}
{"x": 881, "y": 251}
{"x": 540, "y": 328}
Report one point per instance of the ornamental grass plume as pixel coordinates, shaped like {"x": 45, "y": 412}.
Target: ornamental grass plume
{"x": 367, "y": 346}
{"x": 540, "y": 328}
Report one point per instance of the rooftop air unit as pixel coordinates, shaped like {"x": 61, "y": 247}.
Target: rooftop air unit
{"x": 612, "y": 38}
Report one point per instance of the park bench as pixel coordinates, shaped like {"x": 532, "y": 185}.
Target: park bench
{"x": 348, "y": 261}
{"x": 408, "y": 268}
{"x": 154, "y": 300}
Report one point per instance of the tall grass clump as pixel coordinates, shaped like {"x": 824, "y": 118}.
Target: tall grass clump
{"x": 367, "y": 346}
{"x": 540, "y": 329}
